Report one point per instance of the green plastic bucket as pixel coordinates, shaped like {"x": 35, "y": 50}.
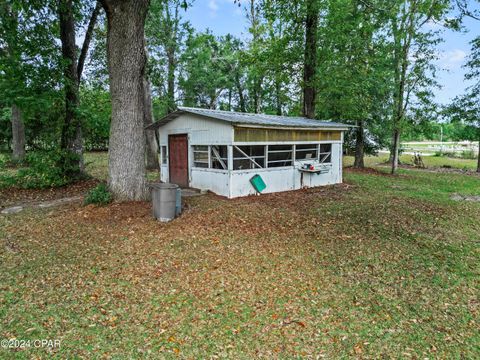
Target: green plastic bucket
{"x": 258, "y": 183}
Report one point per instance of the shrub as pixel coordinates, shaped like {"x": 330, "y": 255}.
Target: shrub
{"x": 468, "y": 154}
{"x": 445, "y": 153}
{"x": 44, "y": 169}
{"x": 98, "y": 195}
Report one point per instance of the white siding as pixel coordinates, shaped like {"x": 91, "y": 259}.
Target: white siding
{"x": 200, "y": 130}
{"x": 216, "y": 181}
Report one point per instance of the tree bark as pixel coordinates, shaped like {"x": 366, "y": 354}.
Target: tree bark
{"x": 126, "y": 66}
{"x": 257, "y": 96}
{"x": 171, "y": 79}
{"x": 310, "y": 60}
{"x": 72, "y": 139}
{"x": 241, "y": 98}
{"x": 230, "y": 99}
{"x": 18, "y": 135}
{"x": 395, "y": 149}
{"x": 278, "y": 101}
{"x": 151, "y": 147}
{"x": 359, "y": 147}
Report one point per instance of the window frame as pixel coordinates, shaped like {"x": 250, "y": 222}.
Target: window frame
{"x": 195, "y": 151}
{"x": 291, "y": 160}
{"x": 163, "y": 155}
{"x": 222, "y": 160}
{"x": 252, "y": 158}
{"x": 328, "y": 154}
{"x": 313, "y": 147}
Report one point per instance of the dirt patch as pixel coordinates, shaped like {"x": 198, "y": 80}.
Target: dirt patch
{"x": 13, "y": 196}
{"x": 444, "y": 169}
{"x": 116, "y": 212}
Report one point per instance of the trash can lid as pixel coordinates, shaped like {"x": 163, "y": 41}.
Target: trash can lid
{"x": 162, "y": 186}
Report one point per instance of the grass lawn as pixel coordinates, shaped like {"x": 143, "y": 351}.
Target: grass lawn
{"x": 381, "y": 266}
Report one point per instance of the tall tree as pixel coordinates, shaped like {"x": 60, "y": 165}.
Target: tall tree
{"x": 310, "y": 57}
{"x": 353, "y": 65}
{"x": 255, "y": 53}
{"x": 72, "y": 139}
{"x": 412, "y": 58}
{"x": 204, "y": 75}
{"x": 10, "y": 29}
{"x": 28, "y": 66}
{"x": 72, "y": 129}
{"x": 166, "y": 31}
{"x": 466, "y": 109}
{"x": 126, "y": 66}
{"x": 151, "y": 146}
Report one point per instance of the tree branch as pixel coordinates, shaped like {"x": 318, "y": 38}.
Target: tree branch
{"x": 464, "y": 10}
{"x": 87, "y": 40}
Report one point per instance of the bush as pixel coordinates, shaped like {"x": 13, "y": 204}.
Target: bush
{"x": 468, "y": 154}
{"x": 465, "y": 154}
{"x": 45, "y": 169}
{"x": 98, "y": 195}
{"x": 444, "y": 153}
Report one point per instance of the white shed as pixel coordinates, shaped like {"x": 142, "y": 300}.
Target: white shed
{"x": 230, "y": 153}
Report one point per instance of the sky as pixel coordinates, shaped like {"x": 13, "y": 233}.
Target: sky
{"x": 224, "y": 16}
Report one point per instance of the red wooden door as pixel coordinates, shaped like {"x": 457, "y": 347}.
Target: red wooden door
{"x": 178, "y": 159}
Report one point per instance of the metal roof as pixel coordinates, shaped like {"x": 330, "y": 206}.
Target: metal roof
{"x": 238, "y": 118}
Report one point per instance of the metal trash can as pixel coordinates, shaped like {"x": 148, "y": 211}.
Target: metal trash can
{"x": 164, "y": 201}
{"x": 178, "y": 203}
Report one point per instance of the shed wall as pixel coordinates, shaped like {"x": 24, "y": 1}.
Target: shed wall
{"x": 201, "y": 131}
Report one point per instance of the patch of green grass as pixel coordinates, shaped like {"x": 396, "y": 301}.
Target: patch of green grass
{"x": 433, "y": 162}
{"x": 427, "y": 186}
{"x": 96, "y": 164}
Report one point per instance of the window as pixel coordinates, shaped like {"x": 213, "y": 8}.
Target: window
{"x": 219, "y": 157}
{"x": 280, "y": 155}
{"x": 200, "y": 156}
{"x": 306, "y": 152}
{"x": 248, "y": 157}
{"x": 163, "y": 154}
{"x": 326, "y": 153}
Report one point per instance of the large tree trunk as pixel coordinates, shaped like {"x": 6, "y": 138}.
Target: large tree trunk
{"x": 171, "y": 80}
{"x": 72, "y": 139}
{"x": 18, "y": 135}
{"x": 278, "y": 100}
{"x": 230, "y": 99}
{"x": 359, "y": 147}
{"x": 310, "y": 60}
{"x": 126, "y": 66}
{"x": 257, "y": 96}
{"x": 395, "y": 150}
{"x": 241, "y": 98}
{"x": 151, "y": 150}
